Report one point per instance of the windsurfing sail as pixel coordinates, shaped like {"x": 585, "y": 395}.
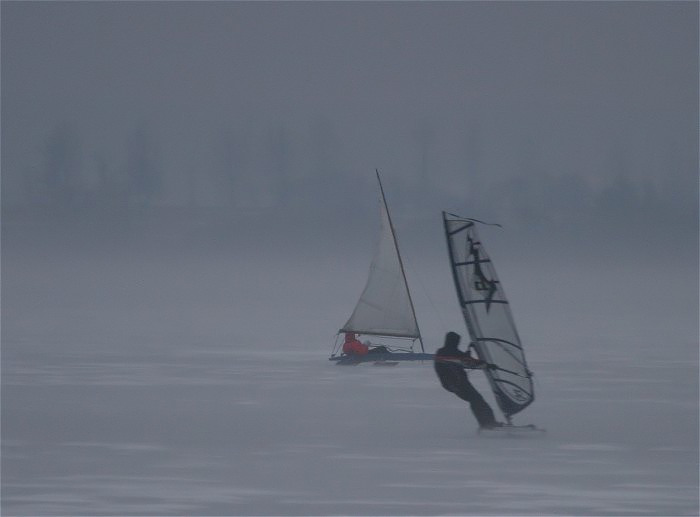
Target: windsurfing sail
{"x": 385, "y": 307}
{"x": 487, "y": 315}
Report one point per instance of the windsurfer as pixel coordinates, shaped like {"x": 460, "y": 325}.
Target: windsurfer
{"x": 353, "y": 346}
{"x": 450, "y": 363}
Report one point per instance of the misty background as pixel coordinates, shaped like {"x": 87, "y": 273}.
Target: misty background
{"x": 255, "y": 129}
{"x": 188, "y": 180}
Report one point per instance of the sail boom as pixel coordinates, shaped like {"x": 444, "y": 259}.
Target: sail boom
{"x": 387, "y": 333}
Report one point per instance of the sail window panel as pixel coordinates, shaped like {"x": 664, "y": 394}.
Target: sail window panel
{"x": 495, "y": 323}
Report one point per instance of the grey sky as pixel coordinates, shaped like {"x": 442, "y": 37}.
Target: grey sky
{"x": 534, "y": 112}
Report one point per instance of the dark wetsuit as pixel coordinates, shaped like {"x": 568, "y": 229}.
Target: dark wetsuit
{"x": 449, "y": 366}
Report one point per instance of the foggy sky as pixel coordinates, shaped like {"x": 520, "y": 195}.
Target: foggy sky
{"x": 580, "y": 115}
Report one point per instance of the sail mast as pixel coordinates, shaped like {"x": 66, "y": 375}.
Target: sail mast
{"x": 455, "y": 277}
{"x": 398, "y": 253}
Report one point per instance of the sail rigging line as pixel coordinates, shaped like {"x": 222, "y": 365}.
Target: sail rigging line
{"x": 398, "y": 253}
{"x": 336, "y": 345}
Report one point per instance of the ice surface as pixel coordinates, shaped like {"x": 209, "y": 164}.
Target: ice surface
{"x": 180, "y": 384}
{"x": 245, "y": 432}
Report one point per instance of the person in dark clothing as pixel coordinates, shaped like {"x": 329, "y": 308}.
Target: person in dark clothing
{"x": 450, "y": 363}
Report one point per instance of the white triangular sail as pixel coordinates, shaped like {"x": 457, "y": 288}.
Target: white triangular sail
{"x": 487, "y": 315}
{"x": 385, "y": 307}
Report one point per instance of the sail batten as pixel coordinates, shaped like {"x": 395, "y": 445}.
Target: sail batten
{"x": 488, "y": 316}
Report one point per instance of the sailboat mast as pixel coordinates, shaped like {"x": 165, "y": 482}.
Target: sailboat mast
{"x": 398, "y": 253}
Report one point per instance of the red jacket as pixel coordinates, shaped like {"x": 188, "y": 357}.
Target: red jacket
{"x": 352, "y": 346}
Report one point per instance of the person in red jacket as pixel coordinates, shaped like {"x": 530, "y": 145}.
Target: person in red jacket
{"x": 352, "y": 346}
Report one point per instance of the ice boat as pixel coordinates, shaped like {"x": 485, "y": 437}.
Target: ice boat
{"x": 385, "y": 308}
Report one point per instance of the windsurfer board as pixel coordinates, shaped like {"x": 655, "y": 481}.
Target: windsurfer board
{"x": 509, "y": 429}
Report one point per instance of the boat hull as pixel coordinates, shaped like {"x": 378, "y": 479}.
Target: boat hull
{"x": 380, "y": 357}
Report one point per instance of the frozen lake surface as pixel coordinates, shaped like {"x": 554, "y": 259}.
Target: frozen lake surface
{"x": 139, "y": 384}
{"x": 219, "y": 432}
